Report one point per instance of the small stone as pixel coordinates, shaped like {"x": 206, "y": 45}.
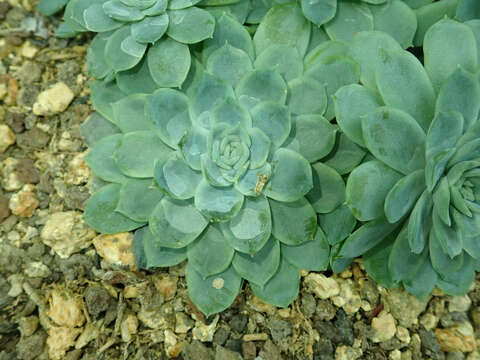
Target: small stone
{"x": 238, "y": 322}
{"x": 459, "y": 337}
{"x": 325, "y": 310}
{"x": 308, "y": 305}
{"x": 97, "y": 299}
{"x": 28, "y": 50}
{"x": 383, "y": 326}
{"x": 347, "y": 353}
{"x": 249, "y": 350}
{"x": 29, "y": 348}
{"x": 90, "y": 332}
{"x": 7, "y": 138}
{"x": 79, "y": 172}
{"x": 152, "y": 319}
{"x": 476, "y": 317}
{"x": 167, "y": 286}
{"x": 428, "y": 344}
{"x": 24, "y": 202}
{"x": 60, "y": 339}
{"x": 66, "y": 309}
{"x": 459, "y": 303}
{"x": 474, "y": 355}
{"x": 35, "y": 138}
{"x": 403, "y": 335}
{"x": 129, "y": 327}
{"x": 197, "y": 351}
{"x": 321, "y": 285}
{"x": 130, "y": 292}
{"x": 36, "y": 269}
{"x": 53, "y": 100}
{"x": 225, "y": 354}
{"x": 10, "y": 180}
{"x": 395, "y": 355}
{"x": 66, "y": 233}
{"x": 205, "y": 332}
{"x": 170, "y": 343}
{"x": 348, "y": 298}
{"x": 26, "y": 171}
{"x": 403, "y": 306}
{"x": 4, "y": 209}
{"x": 116, "y": 249}
{"x": 279, "y": 329}
{"x": 182, "y": 323}
{"x": 260, "y": 306}
{"x": 28, "y": 325}
{"x": 270, "y": 351}
{"x": 16, "y": 285}
{"x": 429, "y": 321}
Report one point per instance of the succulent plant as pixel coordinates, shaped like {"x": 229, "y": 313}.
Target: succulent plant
{"x": 50, "y": 7}
{"x": 226, "y": 171}
{"x": 419, "y": 193}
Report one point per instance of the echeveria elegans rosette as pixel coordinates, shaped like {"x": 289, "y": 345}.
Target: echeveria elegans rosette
{"x": 421, "y": 190}
{"x": 225, "y": 173}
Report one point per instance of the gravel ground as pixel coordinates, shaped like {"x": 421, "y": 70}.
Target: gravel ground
{"x": 69, "y": 293}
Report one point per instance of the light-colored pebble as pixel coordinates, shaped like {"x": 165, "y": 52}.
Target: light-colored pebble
{"x": 403, "y": 335}
{"x": 7, "y": 138}
{"x": 16, "y": 285}
{"x": 24, "y": 202}
{"x": 90, "y": 332}
{"x": 65, "y": 308}
{"x": 129, "y": 327}
{"x": 66, "y": 233}
{"x": 37, "y": 269}
{"x": 116, "y": 249}
{"x": 429, "y": 321}
{"x": 459, "y": 303}
{"x": 347, "y": 353}
{"x": 383, "y": 327}
{"x": 53, "y": 100}
{"x": 182, "y": 323}
{"x": 459, "y": 337}
{"x": 349, "y": 298}
{"x": 9, "y": 178}
{"x": 395, "y": 355}
{"x": 28, "y": 325}
{"x": 59, "y": 340}
{"x": 322, "y": 286}
{"x": 205, "y": 332}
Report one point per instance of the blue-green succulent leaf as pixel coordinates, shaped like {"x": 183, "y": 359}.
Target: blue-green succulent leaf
{"x": 122, "y": 52}
{"x": 216, "y": 203}
{"x": 138, "y": 198}
{"x": 192, "y": 145}
{"x": 261, "y": 85}
{"x": 274, "y": 120}
{"x": 337, "y": 224}
{"x": 328, "y": 190}
{"x": 253, "y": 181}
{"x": 260, "y": 148}
{"x": 283, "y": 58}
{"x": 181, "y": 4}
{"x": 448, "y": 236}
{"x": 117, "y": 10}
{"x": 467, "y": 10}
{"x": 419, "y": 223}
{"x": 375, "y": 262}
{"x": 191, "y": 25}
{"x": 97, "y": 20}
{"x": 429, "y": 14}
{"x": 136, "y": 80}
{"x": 229, "y": 64}
{"x": 150, "y": 29}
{"x": 103, "y": 95}
{"x": 180, "y": 180}
{"x": 319, "y": 12}
{"x": 96, "y": 127}
{"x": 345, "y": 156}
{"x": 129, "y": 115}
{"x": 349, "y": 19}
{"x": 96, "y": 64}
{"x": 307, "y": 96}
{"x": 231, "y": 113}
{"x": 441, "y": 262}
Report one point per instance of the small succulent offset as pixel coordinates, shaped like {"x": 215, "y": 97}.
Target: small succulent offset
{"x": 419, "y": 193}
{"x": 226, "y": 171}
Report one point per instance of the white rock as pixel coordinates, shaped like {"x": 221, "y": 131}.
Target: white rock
{"x": 347, "y": 353}
{"x": 53, "y": 100}
{"x": 204, "y": 332}
{"x": 116, "y": 249}
{"x": 129, "y": 327}
{"x": 66, "y": 309}
{"x": 383, "y": 327}
{"x": 37, "y": 269}
{"x": 395, "y": 355}
{"x": 59, "y": 340}
{"x": 7, "y": 138}
{"x": 24, "y": 202}
{"x": 322, "y": 286}
{"x": 90, "y": 332}
{"x": 459, "y": 303}
{"x": 9, "y": 178}
{"x": 349, "y": 298}
{"x": 66, "y": 233}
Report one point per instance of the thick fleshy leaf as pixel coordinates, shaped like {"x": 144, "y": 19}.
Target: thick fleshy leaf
{"x": 229, "y": 30}
{"x": 206, "y": 95}
{"x": 364, "y": 50}
{"x": 136, "y": 80}
{"x": 282, "y": 289}
{"x": 395, "y": 138}
{"x": 154, "y": 254}
{"x": 260, "y": 148}
{"x": 218, "y": 204}
{"x": 150, "y": 29}
{"x": 345, "y": 156}
{"x": 140, "y": 4}
{"x": 307, "y": 96}
{"x": 291, "y": 176}
{"x": 191, "y": 25}
{"x": 404, "y": 194}
{"x": 274, "y": 120}
{"x": 396, "y": 19}
{"x": 449, "y": 237}
{"x": 97, "y": 20}
{"x": 283, "y": 58}
{"x": 323, "y": 51}
{"x": 367, "y": 187}
{"x": 467, "y": 10}
{"x": 474, "y": 25}
{"x": 100, "y": 212}
{"x": 419, "y": 224}
{"x": 232, "y": 113}
{"x": 458, "y": 283}
{"x": 96, "y": 127}
{"x": 328, "y": 189}
{"x": 334, "y": 72}
{"x": 129, "y": 114}
{"x": 449, "y": 44}
{"x": 441, "y": 201}
{"x": 445, "y": 130}
{"x": 137, "y": 153}
{"x": 283, "y": 25}
{"x": 349, "y": 19}
{"x": 415, "y": 4}
{"x": 250, "y": 229}
{"x": 337, "y": 224}
{"x": 293, "y": 223}
{"x": 258, "y": 268}
{"x": 312, "y": 256}
{"x": 138, "y": 250}
{"x": 319, "y": 12}
{"x": 138, "y": 198}
{"x": 212, "y": 172}
{"x": 471, "y": 244}
{"x": 261, "y": 85}
{"x": 423, "y": 282}
{"x": 50, "y": 7}
{"x": 453, "y": 96}
{"x": 375, "y": 262}
{"x": 403, "y": 69}
{"x": 176, "y": 223}
{"x": 100, "y": 159}
{"x": 103, "y": 95}
{"x": 122, "y": 52}
{"x": 75, "y": 10}
{"x": 403, "y": 263}
{"x": 430, "y": 14}
{"x": 181, "y": 4}
{"x": 117, "y": 10}
{"x": 317, "y": 37}
{"x": 253, "y": 181}
{"x": 366, "y": 237}
{"x": 441, "y": 262}
{"x": 176, "y": 178}
{"x": 65, "y": 30}
{"x": 210, "y": 254}
{"x": 96, "y": 64}
{"x": 314, "y": 137}
{"x": 215, "y": 293}
{"x": 167, "y": 111}
{"x": 192, "y": 145}
{"x": 229, "y": 64}
{"x": 169, "y": 62}
{"x": 351, "y": 103}
{"x": 337, "y": 263}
